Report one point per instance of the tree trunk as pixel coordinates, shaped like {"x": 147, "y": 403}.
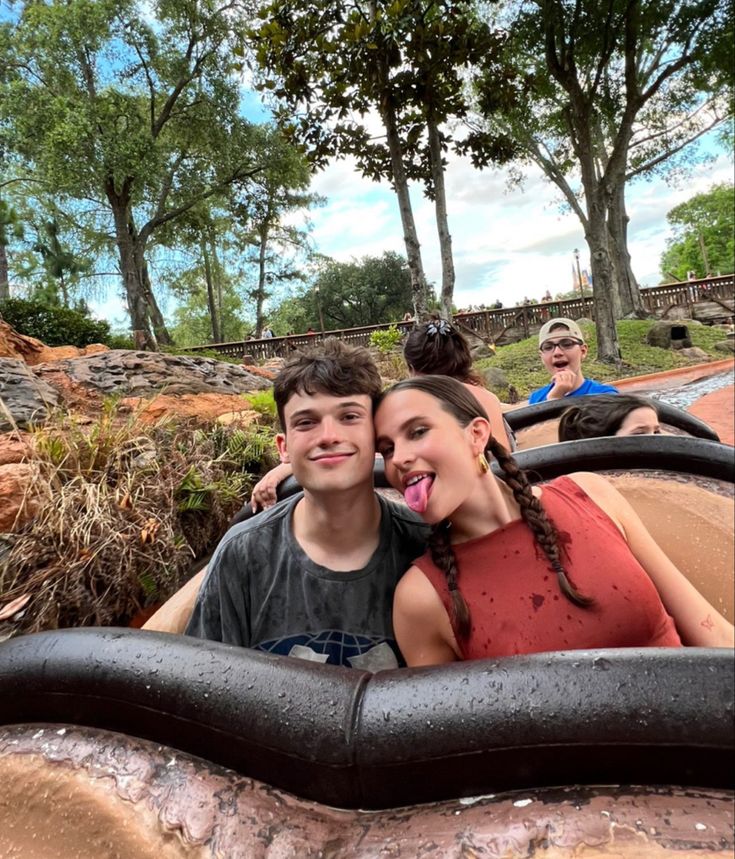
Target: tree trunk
{"x": 211, "y": 299}
{"x": 134, "y": 289}
{"x": 419, "y": 287}
{"x": 4, "y": 281}
{"x": 631, "y": 303}
{"x": 608, "y": 348}
{"x": 154, "y": 311}
{"x": 442, "y": 222}
{"x": 260, "y": 295}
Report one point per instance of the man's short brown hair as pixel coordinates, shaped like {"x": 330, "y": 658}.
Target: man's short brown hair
{"x": 334, "y": 368}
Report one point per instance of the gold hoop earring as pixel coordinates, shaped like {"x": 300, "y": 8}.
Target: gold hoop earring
{"x": 482, "y": 462}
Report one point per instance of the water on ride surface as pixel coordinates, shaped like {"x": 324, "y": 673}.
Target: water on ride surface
{"x": 685, "y": 395}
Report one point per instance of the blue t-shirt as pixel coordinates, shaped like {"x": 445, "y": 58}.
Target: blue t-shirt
{"x": 589, "y": 386}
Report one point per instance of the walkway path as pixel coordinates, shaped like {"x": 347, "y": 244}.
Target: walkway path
{"x": 718, "y": 410}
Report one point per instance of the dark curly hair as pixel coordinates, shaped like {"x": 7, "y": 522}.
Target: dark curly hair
{"x": 334, "y": 368}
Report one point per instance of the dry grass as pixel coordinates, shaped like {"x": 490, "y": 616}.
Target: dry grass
{"x": 122, "y": 511}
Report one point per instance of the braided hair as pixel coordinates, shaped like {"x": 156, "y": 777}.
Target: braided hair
{"x": 459, "y": 402}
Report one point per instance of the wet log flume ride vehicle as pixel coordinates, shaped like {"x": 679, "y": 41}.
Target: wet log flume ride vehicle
{"x": 137, "y": 744}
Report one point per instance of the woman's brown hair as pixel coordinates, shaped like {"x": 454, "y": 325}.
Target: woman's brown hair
{"x": 455, "y": 399}
{"x": 438, "y": 348}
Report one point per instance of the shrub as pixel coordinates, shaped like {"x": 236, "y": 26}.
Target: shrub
{"x": 386, "y": 340}
{"x": 122, "y": 510}
{"x": 54, "y": 326}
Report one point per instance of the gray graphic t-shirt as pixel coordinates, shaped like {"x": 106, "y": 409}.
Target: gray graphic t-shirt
{"x": 263, "y": 591}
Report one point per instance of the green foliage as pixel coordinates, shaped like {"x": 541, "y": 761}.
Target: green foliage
{"x": 55, "y": 326}
{"x": 387, "y": 340}
{"x": 705, "y": 220}
{"x": 263, "y": 403}
{"x": 522, "y": 364}
{"x": 362, "y": 292}
{"x": 138, "y": 118}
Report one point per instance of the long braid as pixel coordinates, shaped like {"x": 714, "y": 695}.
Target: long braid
{"x": 535, "y": 517}
{"x": 442, "y": 555}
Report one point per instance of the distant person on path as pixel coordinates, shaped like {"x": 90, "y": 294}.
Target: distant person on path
{"x": 562, "y": 347}
{"x": 610, "y": 415}
{"x": 267, "y": 332}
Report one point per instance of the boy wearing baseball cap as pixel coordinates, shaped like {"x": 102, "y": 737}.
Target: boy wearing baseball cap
{"x": 562, "y": 347}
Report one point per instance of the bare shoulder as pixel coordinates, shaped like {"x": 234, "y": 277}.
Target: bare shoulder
{"x": 593, "y": 484}
{"x": 485, "y": 397}
{"x": 604, "y": 494}
{"x": 416, "y": 597}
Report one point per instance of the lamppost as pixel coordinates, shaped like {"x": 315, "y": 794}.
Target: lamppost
{"x": 579, "y": 275}
{"x": 319, "y": 308}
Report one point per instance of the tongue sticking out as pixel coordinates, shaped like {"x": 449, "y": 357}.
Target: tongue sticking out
{"x": 417, "y": 494}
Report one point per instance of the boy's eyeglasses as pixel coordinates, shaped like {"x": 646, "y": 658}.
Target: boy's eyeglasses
{"x": 566, "y": 345}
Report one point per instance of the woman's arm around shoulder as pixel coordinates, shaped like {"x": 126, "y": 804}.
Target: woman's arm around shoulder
{"x": 698, "y": 622}
{"x": 421, "y": 623}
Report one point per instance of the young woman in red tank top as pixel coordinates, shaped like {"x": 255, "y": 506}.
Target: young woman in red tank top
{"x": 518, "y": 569}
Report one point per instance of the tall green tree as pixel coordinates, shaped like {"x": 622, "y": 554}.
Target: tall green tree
{"x": 265, "y": 216}
{"x": 367, "y": 291}
{"x": 603, "y": 92}
{"x": 703, "y": 238}
{"x": 332, "y": 66}
{"x": 142, "y": 118}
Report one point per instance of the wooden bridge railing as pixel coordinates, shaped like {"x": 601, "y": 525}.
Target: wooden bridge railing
{"x": 503, "y": 325}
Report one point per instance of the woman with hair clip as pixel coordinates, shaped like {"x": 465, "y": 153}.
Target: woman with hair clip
{"x": 437, "y": 348}
{"x": 607, "y": 415}
{"x": 513, "y": 568}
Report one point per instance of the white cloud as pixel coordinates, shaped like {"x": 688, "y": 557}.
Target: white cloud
{"x": 507, "y": 243}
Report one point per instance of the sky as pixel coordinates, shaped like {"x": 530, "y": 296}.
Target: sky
{"x": 507, "y": 244}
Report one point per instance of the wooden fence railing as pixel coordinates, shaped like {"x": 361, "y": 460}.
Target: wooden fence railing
{"x": 500, "y": 326}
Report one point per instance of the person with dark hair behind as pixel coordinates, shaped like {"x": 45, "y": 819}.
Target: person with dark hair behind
{"x": 607, "y": 415}
{"x": 513, "y": 568}
{"x": 437, "y": 348}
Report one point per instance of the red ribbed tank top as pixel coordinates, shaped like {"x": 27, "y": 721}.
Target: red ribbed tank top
{"x": 513, "y": 594}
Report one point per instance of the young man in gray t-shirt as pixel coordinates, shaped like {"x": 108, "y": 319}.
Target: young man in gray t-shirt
{"x": 314, "y": 576}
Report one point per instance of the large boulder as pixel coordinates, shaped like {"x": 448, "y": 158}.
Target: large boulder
{"x": 725, "y": 346}
{"x": 694, "y": 353}
{"x": 176, "y": 384}
{"x": 495, "y": 379}
{"x": 24, "y": 398}
{"x": 124, "y": 373}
